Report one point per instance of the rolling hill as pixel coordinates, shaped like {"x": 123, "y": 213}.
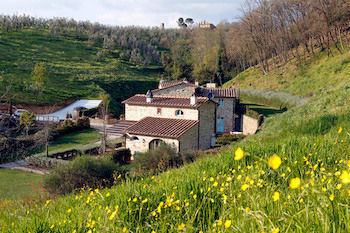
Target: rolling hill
{"x": 73, "y": 69}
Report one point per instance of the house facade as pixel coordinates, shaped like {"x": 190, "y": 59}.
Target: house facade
{"x": 181, "y": 114}
{"x": 165, "y": 119}
{"x": 229, "y": 117}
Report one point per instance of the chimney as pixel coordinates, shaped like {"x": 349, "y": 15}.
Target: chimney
{"x": 196, "y": 83}
{"x": 161, "y": 82}
{"x": 211, "y": 85}
{"x": 193, "y": 100}
{"x": 149, "y": 96}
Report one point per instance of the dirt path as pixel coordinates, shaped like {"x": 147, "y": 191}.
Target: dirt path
{"x": 22, "y": 166}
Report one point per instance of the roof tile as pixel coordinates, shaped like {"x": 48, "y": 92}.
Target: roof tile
{"x": 161, "y": 127}
{"x": 166, "y": 101}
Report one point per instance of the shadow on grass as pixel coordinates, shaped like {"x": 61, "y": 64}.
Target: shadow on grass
{"x": 265, "y": 110}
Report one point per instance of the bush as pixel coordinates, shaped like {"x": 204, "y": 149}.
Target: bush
{"x": 69, "y": 126}
{"x": 227, "y": 139}
{"x": 121, "y": 156}
{"x": 83, "y": 172}
{"x": 159, "y": 160}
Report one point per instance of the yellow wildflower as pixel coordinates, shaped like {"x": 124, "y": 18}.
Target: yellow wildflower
{"x": 275, "y": 162}
{"x": 239, "y": 154}
{"x": 124, "y": 229}
{"x": 275, "y": 230}
{"x": 112, "y": 215}
{"x": 244, "y": 187}
{"x": 331, "y": 197}
{"x": 340, "y": 130}
{"x": 227, "y": 223}
{"x": 345, "y": 177}
{"x": 247, "y": 210}
{"x": 69, "y": 210}
{"x": 276, "y": 196}
{"x": 181, "y": 226}
{"x": 295, "y": 183}
{"x": 219, "y": 222}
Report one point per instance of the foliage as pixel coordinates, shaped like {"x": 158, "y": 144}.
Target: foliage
{"x": 121, "y": 155}
{"x": 38, "y": 78}
{"x": 27, "y": 120}
{"x": 227, "y": 139}
{"x": 12, "y": 149}
{"x": 85, "y": 171}
{"x": 158, "y": 160}
{"x": 69, "y": 126}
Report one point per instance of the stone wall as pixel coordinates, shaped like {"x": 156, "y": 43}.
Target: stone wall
{"x": 250, "y": 125}
{"x": 189, "y": 140}
{"x": 179, "y": 90}
{"x": 227, "y": 112}
{"x": 206, "y": 124}
{"x": 137, "y": 112}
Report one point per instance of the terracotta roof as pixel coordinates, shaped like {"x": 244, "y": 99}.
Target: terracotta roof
{"x": 166, "y": 101}
{"x": 218, "y": 92}
{"x": 161, "y": 127}
{"x": 166, "y": 84}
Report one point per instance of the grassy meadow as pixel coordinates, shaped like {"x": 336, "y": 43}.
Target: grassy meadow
{"x": 75, "y": 139}
{"x": 314, "y": 77}
{"x": 251, "y": 191}
{"x": 73, "y": 69}
{"x": 20, "y": 185}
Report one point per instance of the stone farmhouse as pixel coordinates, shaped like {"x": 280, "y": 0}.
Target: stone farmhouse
{"x": 184, "y": 115}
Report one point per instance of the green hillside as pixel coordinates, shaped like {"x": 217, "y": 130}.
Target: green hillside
{"x": 73, "y": 69}
{"x": 315, "y": 76}
{"x": 220, "y": 194}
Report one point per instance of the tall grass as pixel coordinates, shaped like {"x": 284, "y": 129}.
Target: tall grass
{"x": 271, "y": 98}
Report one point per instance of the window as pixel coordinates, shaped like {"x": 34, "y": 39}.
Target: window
{"x": 221, "y": 102}
{"x": 159, "y": 111}
{"x": 134, "y": 139}
{"x": 179, "y": 113}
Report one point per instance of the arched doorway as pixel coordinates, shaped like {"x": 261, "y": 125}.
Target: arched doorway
{"x": 155, "y": 143}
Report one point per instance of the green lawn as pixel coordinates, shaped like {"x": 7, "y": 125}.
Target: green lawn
{"x": 75, "y": 139}
{"x": 17, "y": 185}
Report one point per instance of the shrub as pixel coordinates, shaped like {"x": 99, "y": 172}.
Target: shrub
{"x": 85, "y": 171}
{"x": 69, "y": 126}
{"x": 121, "y": 155}
{"x": 228, "y": 139}
{"x": 159, "y": 160}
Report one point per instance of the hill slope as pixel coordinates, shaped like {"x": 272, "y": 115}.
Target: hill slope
{"x": 74, "y": 70}
{"x": 220, "y": 194}
{"x": 317, "y": 75}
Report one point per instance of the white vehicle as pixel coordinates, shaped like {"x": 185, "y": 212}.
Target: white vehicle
{"x": 19, "y": 112}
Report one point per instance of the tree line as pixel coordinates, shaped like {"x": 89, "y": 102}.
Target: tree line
{"x": 269, "y": 32}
